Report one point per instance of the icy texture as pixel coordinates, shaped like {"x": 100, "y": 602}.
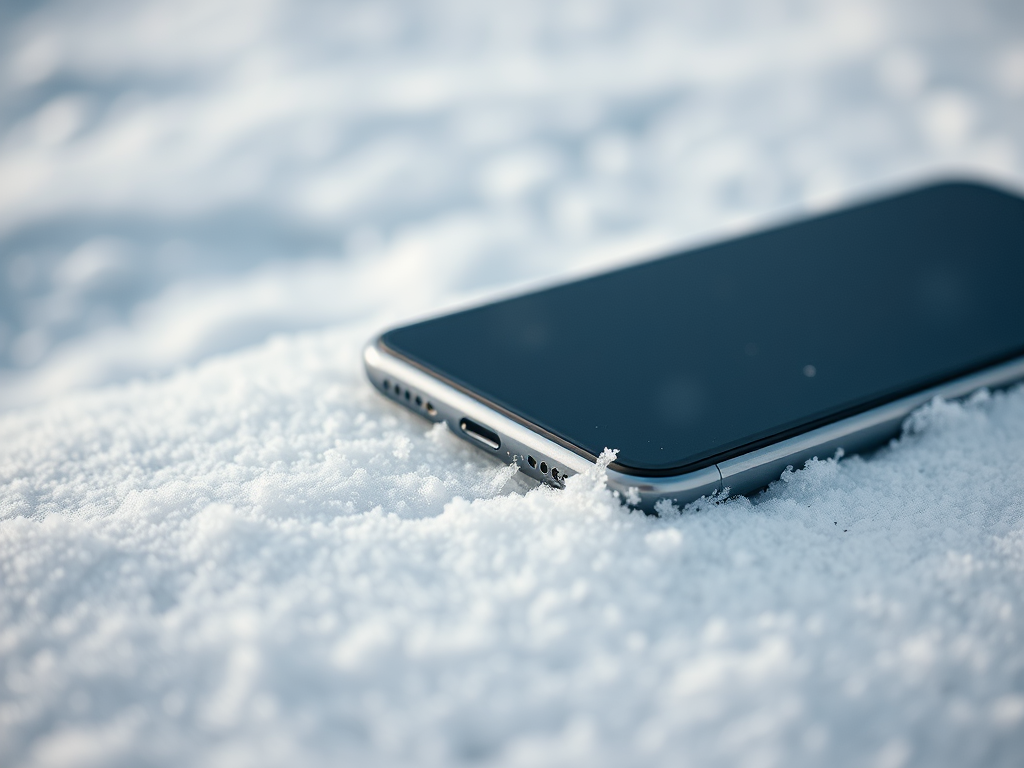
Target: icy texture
{"x": 252, "y": 559}
{"x": 261, "y": 562}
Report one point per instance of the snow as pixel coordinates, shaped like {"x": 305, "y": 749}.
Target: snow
{"x": 218, "y": 546}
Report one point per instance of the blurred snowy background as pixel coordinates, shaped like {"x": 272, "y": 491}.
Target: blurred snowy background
{"x": 179, "y": 179}
{"x": 219, "y": 547}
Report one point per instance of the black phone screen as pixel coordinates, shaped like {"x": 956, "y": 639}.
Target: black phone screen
{"x": 696, "y": 357}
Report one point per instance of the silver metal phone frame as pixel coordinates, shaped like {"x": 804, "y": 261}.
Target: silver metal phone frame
{"x": 438, "y": 401}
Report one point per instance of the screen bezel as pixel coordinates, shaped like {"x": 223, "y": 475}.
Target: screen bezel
{"x": 732, "y": 453}
{"x": 740, "y": 449}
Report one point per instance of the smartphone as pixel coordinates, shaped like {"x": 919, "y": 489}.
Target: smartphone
{"x": 716, "y": 368}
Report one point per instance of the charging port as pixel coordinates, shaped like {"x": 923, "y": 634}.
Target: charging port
{"x": 481, "y": 434}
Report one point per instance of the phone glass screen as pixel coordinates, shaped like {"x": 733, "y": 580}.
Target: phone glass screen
{"x": 691, "y": 359}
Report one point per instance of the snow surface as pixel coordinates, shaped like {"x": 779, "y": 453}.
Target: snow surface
{"x": 218, "y": 546}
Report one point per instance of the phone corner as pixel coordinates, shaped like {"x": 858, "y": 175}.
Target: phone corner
{"x": 975, "y": 180}
{"x": 645, "y": 492}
